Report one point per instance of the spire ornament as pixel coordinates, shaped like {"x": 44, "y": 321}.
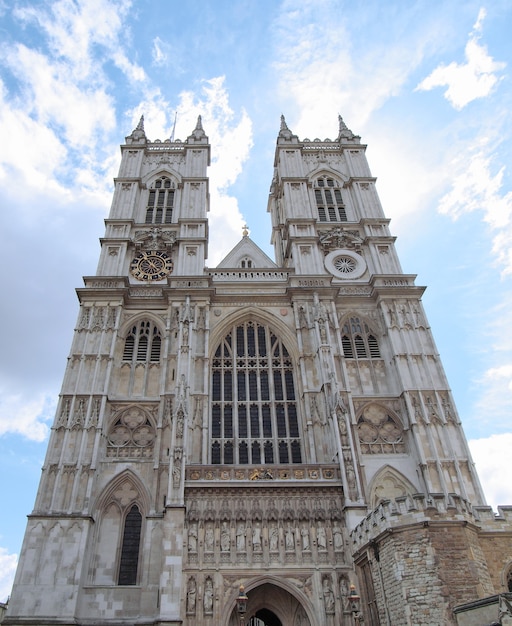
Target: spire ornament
{"x": 138, "y": 135}
{"x": 285, "y": 133}
{"x": 344, "y": 132}
{"x": 198, "y": 135}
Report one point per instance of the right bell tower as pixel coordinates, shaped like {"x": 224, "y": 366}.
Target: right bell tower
{"x": 423, "y": 545}
{"x": 329, "y": 227}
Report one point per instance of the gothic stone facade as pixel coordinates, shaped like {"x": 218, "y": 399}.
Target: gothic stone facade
{"x": 285, "y": 425}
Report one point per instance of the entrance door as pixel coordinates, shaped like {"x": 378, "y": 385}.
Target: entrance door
{"x": 271, "y": 605}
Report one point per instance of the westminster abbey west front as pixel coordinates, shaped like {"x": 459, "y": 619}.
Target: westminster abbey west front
{"x": 285, "y": 425}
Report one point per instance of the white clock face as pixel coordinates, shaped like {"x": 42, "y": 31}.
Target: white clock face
{"x": 154, "y": 265}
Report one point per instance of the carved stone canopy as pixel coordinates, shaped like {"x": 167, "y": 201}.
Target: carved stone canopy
{"x": 154, "y": 239}
{"x": 339, "y": 237}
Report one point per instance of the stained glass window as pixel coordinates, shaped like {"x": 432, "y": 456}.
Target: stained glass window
{"x": 254, "y": 414}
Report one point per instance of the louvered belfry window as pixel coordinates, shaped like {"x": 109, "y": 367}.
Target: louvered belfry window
{"x": 254, "y": 417}
{"x": 160, "y": 202}
{"x": 358, "y": 341}
{"x": 329, "y": 201}
{"x": 143, "y": 343}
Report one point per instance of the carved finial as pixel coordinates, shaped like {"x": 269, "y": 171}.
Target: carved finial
{"x": 198, "y": 135}
{"x": 245, "y": 232}
{"x": 285, "y": 133}
{"x": 344, "y": 132}
{"x": 138, "y": 135}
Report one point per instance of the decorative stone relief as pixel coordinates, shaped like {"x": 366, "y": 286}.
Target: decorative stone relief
{"x": 155, "y": 238}
{"x": 379, "y": 432}
{"x": 79, "y": 413}
{"x": 345, "y": 264}
{"x": 176, "y": 467}
{"x": 339, "y": 237}
{"x": 132, "y": 435}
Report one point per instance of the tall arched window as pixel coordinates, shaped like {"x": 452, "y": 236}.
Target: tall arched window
{"x": 358, "y": 340}
{"x": 143, "y": 343}
{"x": 254, "y": 412}
{"x": 329, "y": 202}
{"x": 160, "y": 202}
{"x": 129, "y": 560}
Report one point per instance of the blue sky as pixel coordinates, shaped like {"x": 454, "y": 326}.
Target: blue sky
{"x": 427, "y": 85}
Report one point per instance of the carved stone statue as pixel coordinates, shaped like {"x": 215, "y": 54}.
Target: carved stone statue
{"x": 209, "y": 538}
{"x": 191, "y": 596}
{"x": 337, "y": 537}
{"x": 328, "y": 596}
{"x": 240, "y": 537}
{"x": 304, "y": 533}
{"x": 208, "y": 596}
{"x": 192, "y": 538}
{"x": 321, "y": 538}
{"x": 274, "y": 538}
{"x": 256, "y": 538}
{"x": 289, "y": 538}
{"x": 224, "y": 537}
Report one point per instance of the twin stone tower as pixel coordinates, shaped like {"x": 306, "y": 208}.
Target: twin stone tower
{"x": 283, "y": 425}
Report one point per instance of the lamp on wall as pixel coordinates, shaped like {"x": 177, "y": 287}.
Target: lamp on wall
{"x": 241, "y": 604}
{"x": 355, "y": 605}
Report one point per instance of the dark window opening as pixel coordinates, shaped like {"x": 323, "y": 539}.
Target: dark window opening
{"x": 130, "y": 548}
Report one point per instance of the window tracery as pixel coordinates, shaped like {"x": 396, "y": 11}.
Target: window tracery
{"x": 379, "y": 432}
{"x": 254, "y": 412}
{"x": 132, "y": 435}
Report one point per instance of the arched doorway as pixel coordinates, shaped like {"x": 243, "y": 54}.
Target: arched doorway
{"x": 270, "y": 604}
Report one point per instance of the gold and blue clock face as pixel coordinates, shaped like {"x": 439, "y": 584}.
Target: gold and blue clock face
{"x": 152, "y": 265}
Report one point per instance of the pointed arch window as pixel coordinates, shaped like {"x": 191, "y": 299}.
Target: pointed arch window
{"x": 129, "y": 560}
{"x": 358, "y": 341}
{"x": 160, "y": 201}
{"x": 143, "y": 343}
{"x": 329, "y": 201}
{"x": 254, "y": 417}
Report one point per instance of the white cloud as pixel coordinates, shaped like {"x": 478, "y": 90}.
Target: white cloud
{"x": 27, "y": 418}
{"x": 160, "y": 51}
{"x": 322, "y": 73}
{"x": 53, "y": 97}
{"x": 492, "y": 459}
{"x": 476, "y": 188}
{"x": 74, "y": 29}
{"x": 8, "y": 563}
{"x": 467, "y": 81}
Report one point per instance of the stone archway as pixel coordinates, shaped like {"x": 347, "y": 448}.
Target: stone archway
{"x": 271, "y": 605}
{"x": 264, "y": 617}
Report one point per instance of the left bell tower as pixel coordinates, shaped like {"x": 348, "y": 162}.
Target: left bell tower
{"x": 105, "y": 539}
{"x": 160, "y": 205}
